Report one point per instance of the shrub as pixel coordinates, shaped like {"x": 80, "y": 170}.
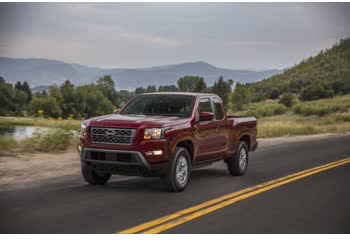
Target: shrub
{"x": 315, "y": 91}
{"x": 287, "y": 99}
{"x": 53, "y": 140}
{"x": 265, "y": 110}
{"x": 308, "y": 109}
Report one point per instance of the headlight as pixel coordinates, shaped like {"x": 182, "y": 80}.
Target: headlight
{"x": 83, "y": 132}
{"x": 152, "y": 133}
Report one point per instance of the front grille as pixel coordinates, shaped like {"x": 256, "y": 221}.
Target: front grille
{"x": 120, "y": 136}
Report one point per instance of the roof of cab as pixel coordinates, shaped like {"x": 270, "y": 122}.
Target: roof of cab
{"x": 180, "y": 93}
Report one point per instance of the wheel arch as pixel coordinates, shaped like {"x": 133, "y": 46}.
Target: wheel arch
{"x": 188, "y": 144}
{"x": 245, "y": 138}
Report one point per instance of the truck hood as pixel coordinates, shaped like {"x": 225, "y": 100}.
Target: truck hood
{"x": 136, "y": 121}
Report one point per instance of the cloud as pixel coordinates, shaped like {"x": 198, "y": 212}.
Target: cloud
{"x": 157, "y": 40}
{"x": 235, "y": 35}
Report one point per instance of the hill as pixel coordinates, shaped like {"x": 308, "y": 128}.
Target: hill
{"x": 323, "y": 75}
{"x": 44, "y": 72}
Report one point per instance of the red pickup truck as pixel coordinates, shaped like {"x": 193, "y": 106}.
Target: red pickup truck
{"x": 165, "y": 135}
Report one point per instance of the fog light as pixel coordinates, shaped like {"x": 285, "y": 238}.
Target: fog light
{"x": 154, "y": 153}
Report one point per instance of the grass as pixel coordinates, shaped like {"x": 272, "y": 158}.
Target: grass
{"x": 294, "y": 125}
{"x": 313, "y": 117}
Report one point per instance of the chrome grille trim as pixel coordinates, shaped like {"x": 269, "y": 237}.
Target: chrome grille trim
{"x": 117, "y": 136}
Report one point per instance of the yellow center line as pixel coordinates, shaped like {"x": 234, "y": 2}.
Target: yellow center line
{"x": 189, "y": 214}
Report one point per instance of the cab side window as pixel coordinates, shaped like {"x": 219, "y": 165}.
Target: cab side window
{"x": 219, "y": 113}
{"x": 205, "y": 105}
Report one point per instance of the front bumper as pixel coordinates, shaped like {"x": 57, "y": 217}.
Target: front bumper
{"x": 123, "y": 162}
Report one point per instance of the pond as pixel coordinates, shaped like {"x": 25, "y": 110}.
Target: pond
{"x": 21, "y": 132}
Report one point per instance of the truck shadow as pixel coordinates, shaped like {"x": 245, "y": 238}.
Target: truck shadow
{"x": 155, "y": 184}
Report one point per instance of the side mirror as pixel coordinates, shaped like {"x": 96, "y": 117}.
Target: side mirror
{"x": 116, "y": 111}
{"x": 206, "y": 116}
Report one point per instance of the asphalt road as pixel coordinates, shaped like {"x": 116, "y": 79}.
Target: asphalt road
{"x": 317, "y": 204}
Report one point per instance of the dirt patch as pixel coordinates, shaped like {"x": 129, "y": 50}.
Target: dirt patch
{"x": 25, "y": 168}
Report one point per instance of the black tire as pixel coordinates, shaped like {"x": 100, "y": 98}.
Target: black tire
{"x": 93, "y": 177}
{"x": 170, "y": 180}
{"x": 233, "y": 164}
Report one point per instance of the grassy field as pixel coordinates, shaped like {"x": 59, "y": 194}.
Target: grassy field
{"x": 304, "y": 118}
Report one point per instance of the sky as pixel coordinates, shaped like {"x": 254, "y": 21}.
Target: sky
{"x": 230, "y": 35}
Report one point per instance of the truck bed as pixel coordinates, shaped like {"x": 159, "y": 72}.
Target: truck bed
{"x": 240, "y": 119}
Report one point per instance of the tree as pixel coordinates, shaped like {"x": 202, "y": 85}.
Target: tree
{"x": 140, "y": 90}
{"x": 240, "y": 97}
{"x": 223, "y": 88}
{"x": 107, "y": 87}
{"x": 25, "y": 88}
{"x": 168, "y": 88}
{"x": 151, "y": 89}
{"x": 275, "y": 93}
{"x": 13, "y": 100}
{"x": 92, "y": 102}
{"x": 287, "y": 99}
{"x": 48, "y": 105}
{"x": 200, "y": 86}
{"x": 188, "y": 83}
{"x": 55, "y": 92}
{"x": 123, "y": 97}
{"x": 70, "y": 100}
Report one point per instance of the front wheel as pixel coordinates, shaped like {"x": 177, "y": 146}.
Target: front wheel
{"x": 238, "y": 164}
{"x": 179, "y": 171}
{"x": 93, "y": 177}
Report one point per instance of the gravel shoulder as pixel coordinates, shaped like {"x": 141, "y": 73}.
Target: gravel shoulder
{"x": 21, "y": 169}
{"x": 37, "y": 167}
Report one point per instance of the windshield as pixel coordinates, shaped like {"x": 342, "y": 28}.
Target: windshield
{"x": 160, "y": 105}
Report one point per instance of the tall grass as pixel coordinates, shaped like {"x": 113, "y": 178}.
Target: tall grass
{"x": 259, "y": 110}
{"x": 52, "y": 141}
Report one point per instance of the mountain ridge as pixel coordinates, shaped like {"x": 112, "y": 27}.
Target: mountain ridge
{"x": 41, "y": 71}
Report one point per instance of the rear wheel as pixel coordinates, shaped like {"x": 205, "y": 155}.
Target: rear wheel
{"x": 238, "y": 164}
{"x": 94, "y": 177}
{"x": 179, "y": 171}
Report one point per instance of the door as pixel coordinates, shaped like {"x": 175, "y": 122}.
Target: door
{"x": 206, "y": 133}
{"x": 223, "y": 131}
